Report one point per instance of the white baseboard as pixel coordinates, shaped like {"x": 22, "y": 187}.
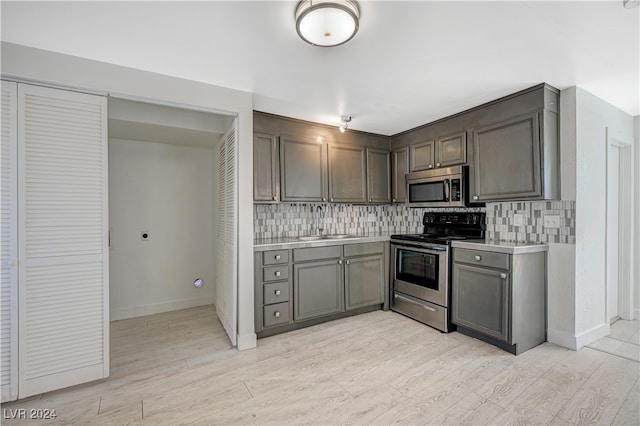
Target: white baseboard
{"x": 596, "y": 333}
{"x": 636, "y": 314}
{"x": 562, "y": 338}
{"x": 247, "y": 341}
{"x": 157, "y": 308}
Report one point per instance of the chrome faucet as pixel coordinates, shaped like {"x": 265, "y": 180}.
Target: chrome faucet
{"x": 319, "y": 220}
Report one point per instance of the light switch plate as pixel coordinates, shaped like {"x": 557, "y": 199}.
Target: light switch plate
{"x": 552, "y": 221}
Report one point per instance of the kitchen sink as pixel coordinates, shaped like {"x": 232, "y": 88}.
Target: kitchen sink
{"x": 325, "y": 237}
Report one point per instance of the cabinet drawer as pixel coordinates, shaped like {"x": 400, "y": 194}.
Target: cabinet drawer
{"x": 276, "y": 314}
{"x": 276, "y": 293}
{"x": 363, "y": 249}
{"x": 317, "y": 253}
{"x": 275, "y": 257}
{"x": 482, "y": 258}
{"x": 275, "y": 273}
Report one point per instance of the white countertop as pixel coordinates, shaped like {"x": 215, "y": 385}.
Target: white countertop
{"x": 293, "y": 242}
{"x": 509, "y": 247}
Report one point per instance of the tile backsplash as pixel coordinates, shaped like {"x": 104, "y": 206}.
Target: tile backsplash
{"x": 524, "y": 221}
{"x": 298, "y": 219}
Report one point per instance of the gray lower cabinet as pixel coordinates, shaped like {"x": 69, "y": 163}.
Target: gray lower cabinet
{"x": 303, "y": 286}
{"x": 378, "y": 176}
{"x": 500, "y": 297}
{"x": 266, "y": 172}
{"x": 318, "y": 289}
{"x": 508, "y": 160}
{"x": 303, "y": 170}
{"x": 364, "y": 281}
{"x": 481, "y": 300}
{"x": 399, "y": 168}
{"x": 347, "y": 174}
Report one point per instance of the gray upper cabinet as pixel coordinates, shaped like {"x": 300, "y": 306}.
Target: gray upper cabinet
{"x": 400, "y": 167}
{"x": 423, "y": 155}
{"x": 266, "y": 173}
{"x": 507, "y": 160}
{"x": 378, "y": 176}
{"x": 303, "y": 174}
{"x": 347, "y": 174}
{"x": 451, "y": 150}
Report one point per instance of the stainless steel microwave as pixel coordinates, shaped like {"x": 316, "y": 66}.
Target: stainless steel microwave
{"x": 443, "y": 187}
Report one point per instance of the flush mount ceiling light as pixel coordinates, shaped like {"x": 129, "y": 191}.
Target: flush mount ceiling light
{"x": 327, "y": 23}
{"x": 346, "y": 119}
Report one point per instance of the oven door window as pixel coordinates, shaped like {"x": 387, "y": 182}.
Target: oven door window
{"x": 426, "y": 192}
{"x": 417, "y": 268}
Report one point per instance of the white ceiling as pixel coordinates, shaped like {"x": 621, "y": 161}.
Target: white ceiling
{"x": 410, "y": 63}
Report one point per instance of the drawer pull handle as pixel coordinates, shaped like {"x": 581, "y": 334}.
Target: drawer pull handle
{"x": 273, "y": 198}
{"x": 478, "y": 258}
{"x": 339, "y": 262}
{"x": 503, "y": 276}
{"x": 276, "y": 314}
{"x": 348, "y": 262}
{"x": 277, "y": 273}
{"x": 475, "y": 197}
{"x": 437, "y": 164}
{"x": 277, "y": 257}
{"x": 277, "y": 292}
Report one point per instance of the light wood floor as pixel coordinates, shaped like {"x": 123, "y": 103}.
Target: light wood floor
{"x": 376, "y": 368}
{"x": 624, "y": 340}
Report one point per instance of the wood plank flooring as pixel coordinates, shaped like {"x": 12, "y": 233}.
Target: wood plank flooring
{"x": 376, "y": 368}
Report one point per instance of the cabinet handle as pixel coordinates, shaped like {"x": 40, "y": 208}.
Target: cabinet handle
{"x": 332, "y": 200}
{"x": 437, "y": 164}
{"x": 339, "y": 262}
{"x": 324, "y": 199}
{"x": 277, "y": 257}
{"x": 273, "y": 198}
{"x": 276, "y": 314}
{"x": 348, "y": 262}
{"x": 475, "y": 197}
{"x": 478, "y": 258}
{"x": 393, "y": 201}
{"x": 277, "y": 273}
{"x": 430, "y": 166}
{"x": 503, "y": 276}
{"x": 277, "y": 292}
{"x": 370, "y": 200}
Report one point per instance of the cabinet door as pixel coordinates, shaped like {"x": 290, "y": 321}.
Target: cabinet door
{"x": 451, "y": 150}
{"x": 63, "y": 261}
{"x": 423, "y": 156}
{"x": 9, "y": 243}
{"x": 481, "y": 300}
{"x": 364, "y": 281}
{"x": 400, "y": 167}
{"x": 378, "y": 176}
{"x": 507, "y": 160}
{"x": 347, "y": 174}
{"x": 266, "y": 182}
{"x": 318, "y": 289}
{"x": 303, "y": 174}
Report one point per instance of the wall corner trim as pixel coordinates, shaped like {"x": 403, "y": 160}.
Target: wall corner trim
{"x": 247, "y": 341}
{"x": 562, "y": 338}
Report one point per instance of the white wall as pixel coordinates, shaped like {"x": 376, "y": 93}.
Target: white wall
{"x": 167, "y": 191}
{"x": 636, "y": 248}
{"x": 594, "y": 120}
{"x": 65, "y": 70}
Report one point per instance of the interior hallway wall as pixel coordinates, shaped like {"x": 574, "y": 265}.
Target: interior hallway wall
{"x": 636, "y": 248}
{"x": 166, "y": 191}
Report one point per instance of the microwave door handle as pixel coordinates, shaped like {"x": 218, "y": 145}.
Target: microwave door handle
{"x": 447, "y": 190}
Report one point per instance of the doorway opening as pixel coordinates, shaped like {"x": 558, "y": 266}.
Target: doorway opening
{"x": 165, "y": 224}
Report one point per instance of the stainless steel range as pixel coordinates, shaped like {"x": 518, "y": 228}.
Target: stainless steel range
{"x": 421, "y": 268}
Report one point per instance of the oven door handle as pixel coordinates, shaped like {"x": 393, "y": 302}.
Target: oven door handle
{"x": 419, "y": 248}
{"x": 406, "y": 299}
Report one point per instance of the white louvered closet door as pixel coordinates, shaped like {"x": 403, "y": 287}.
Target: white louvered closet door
{"x": 63, "y": 239}
{"x": 227, "y": 262}
{"x": 9, "y": 242}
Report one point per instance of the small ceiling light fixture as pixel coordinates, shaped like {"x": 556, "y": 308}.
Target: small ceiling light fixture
{"x": 628, "y": 4}
{"x": 327, "y": 23}
{"x": 346, "y": 119}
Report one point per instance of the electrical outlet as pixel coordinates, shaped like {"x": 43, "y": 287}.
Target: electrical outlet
{"x": 518, "y": 219}
{"x": 552, "y": 221}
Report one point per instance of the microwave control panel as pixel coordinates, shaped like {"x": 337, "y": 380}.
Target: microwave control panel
{"x": 456, "y": 190}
